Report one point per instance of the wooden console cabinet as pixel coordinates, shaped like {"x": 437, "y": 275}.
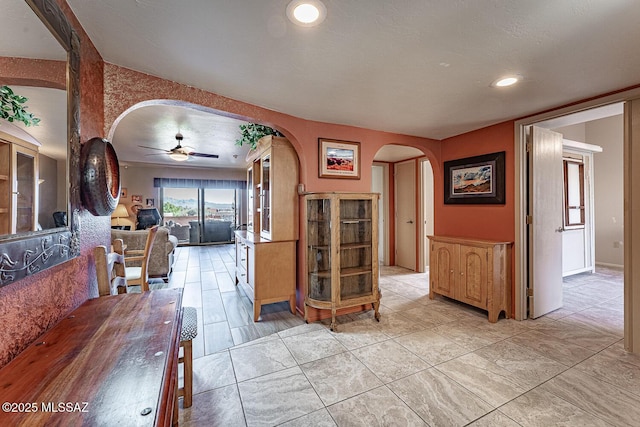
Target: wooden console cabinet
{"x": 472, "y": 271}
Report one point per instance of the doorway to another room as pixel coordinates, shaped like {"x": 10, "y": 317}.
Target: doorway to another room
{"x": 404, "y": 179}
{"x": 579, "y": 158}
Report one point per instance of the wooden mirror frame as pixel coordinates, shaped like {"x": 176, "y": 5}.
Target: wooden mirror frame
{"x": 29, "y": 253}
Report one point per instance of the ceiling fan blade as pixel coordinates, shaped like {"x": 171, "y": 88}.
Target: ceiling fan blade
{"x": 210, "y": 156}
{"x": 154, "y": 148}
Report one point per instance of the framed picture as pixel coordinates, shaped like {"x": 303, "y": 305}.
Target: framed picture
{"x": 136, "y": 198}
{"x": 475, "y": 180}
{"x": 338, "y": 159}
{"x": 151, "y": 203}
{"x": 123, "y": 193}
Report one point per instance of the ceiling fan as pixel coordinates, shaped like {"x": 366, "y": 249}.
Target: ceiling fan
{"x": 180, "y": 153}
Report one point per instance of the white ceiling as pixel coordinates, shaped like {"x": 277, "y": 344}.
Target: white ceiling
{"x": 414, "y": 67}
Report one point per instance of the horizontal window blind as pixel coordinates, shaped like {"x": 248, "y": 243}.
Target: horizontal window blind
{"x": 218, "y": 184}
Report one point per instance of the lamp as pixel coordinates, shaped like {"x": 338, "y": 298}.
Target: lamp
{"x": 120, "y": 212}
{"x": 179, "y": 156}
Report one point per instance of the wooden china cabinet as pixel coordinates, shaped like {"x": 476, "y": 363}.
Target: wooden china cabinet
{"x": 266, "y": 251}
{"x": 342, "y": 251}
{"x": 18, "y": 185}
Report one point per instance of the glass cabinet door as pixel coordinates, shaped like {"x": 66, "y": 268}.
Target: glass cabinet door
{"x": 26, "y": 192}
{"x": 250, "y": 198}
{"x": 319, "y": 248}
{"x": 265, "y": 221}
{"x": 355, "y": 248}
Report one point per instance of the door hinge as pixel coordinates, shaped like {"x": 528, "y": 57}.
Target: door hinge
{"x": 528, "y": 219}
{"x": 529, "y": 292}
{"x": 528, "y": 147}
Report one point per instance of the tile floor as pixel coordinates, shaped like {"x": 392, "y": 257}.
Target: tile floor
{"x": 436, "y": 363}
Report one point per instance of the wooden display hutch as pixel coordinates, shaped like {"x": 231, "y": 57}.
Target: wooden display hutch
{"x": 18, "y": 185}
{"x": 266, "y": 252}
{"x": 472, "y": 271}
{"x": 342, "y": 251}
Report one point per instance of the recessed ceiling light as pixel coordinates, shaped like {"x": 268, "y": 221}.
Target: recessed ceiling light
{"x": 306, "y": 13}
{"x": 506, "y": 81}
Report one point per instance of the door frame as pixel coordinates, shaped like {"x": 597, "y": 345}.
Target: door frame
{"x": 631, "y": 210}
{"x": 426, "y": 214}
{"x": 384, "y": 207}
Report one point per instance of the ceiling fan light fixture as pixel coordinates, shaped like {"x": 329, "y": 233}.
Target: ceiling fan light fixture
{"x": 306, "y": 13}
{"x": 179, "y": 157}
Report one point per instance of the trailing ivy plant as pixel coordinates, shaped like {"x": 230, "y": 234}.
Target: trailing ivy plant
{"x": 252, "y": 132}
{"x": 12, "y": 108}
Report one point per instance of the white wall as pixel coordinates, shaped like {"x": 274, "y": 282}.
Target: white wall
{"x": 138, "y": 180}
{"x": 608, "y": 188}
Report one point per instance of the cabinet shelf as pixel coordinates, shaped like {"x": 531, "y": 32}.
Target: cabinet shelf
{"x": 354, "y": 220}
{"x": 355, "y": 271}
{"x": 359, "y": 245}
{"x": 319, "y": 247}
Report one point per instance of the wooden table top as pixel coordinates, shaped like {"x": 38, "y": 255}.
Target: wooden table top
{"x": 110, "y": 361}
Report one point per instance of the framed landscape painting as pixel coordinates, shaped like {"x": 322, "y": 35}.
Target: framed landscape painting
{"x": 338, "y": 159}
{"x": 475, "y": 180}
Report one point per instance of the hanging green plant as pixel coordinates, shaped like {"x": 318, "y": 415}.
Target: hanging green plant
{"x": 12, "y": 108}
{"x": 252, "y": 132}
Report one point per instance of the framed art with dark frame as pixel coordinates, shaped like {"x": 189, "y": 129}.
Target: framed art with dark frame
{"x": 475, "y": 180}
{"x": 338, "y": 159}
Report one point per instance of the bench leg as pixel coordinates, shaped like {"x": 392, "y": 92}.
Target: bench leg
{"x": 188, "y": 374}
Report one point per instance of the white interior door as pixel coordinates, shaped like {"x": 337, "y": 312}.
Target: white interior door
{"x": 405, "y": 189}
{"x": 545, "y": 230}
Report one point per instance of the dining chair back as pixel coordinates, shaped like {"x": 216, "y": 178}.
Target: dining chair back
{"x": 107, "y": 262}
{"x": 137, "y": 275}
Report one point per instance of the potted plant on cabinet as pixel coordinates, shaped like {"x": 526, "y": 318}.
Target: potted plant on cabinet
{"x": 12, "y": 108}
{"x": 252, "y": 132}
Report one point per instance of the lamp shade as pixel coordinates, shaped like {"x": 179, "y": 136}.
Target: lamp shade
{"x": 120, "y": 212}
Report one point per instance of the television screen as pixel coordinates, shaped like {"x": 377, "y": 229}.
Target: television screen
{"x": 148, "y": 217}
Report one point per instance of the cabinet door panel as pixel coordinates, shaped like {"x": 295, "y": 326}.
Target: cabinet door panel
{"x": 251, "y": 266}
{"x": 442, "y": 268}
{"x": 473, "y": 276}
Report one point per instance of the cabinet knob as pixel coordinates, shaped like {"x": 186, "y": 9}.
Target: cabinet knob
{"x": 451, "y": 271}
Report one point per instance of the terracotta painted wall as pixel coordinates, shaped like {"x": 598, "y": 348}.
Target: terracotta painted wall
{"x": 496, "y": 222}
{"x": 32, "y": 305}
{"x": 493, "y": 222}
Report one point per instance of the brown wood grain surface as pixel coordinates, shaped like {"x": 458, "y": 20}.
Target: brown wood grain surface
{"x": 103, "y": 364}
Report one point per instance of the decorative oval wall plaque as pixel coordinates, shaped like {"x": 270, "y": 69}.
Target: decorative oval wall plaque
{"x": 100, "y": 177}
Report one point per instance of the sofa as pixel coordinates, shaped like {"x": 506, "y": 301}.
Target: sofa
{"x": 161, "y": 259}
